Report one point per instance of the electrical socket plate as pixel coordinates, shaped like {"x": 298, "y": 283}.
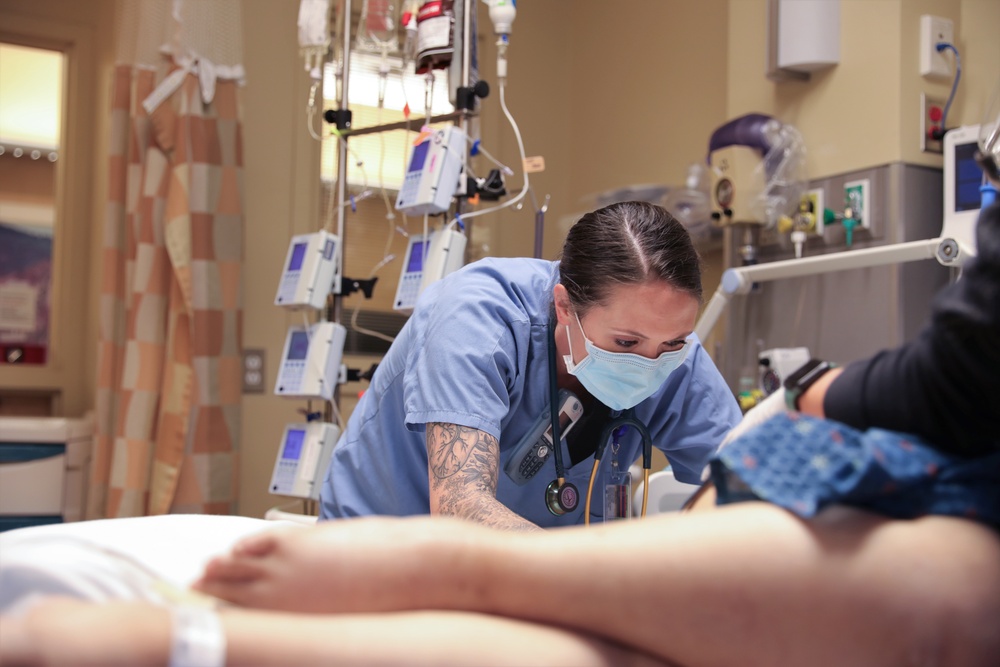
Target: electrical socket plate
{"x": 928, "y": 144}
{"x": 858, "y": 194}
{"x": 253, "y": 371}
{"x": 935, "y": 29}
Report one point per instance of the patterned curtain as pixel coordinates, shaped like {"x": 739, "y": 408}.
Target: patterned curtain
{"x": 169, "y": 379}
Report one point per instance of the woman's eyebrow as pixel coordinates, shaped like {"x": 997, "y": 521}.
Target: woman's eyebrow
{"x": 636, "y": 334}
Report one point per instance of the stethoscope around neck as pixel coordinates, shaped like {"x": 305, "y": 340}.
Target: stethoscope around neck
{"x": 562, "y": 497}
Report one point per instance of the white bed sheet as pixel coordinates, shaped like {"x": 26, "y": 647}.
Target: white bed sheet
{"x": 131, "y": 558}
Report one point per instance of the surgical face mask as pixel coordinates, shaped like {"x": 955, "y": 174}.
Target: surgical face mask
{"x": 621, "y": 380}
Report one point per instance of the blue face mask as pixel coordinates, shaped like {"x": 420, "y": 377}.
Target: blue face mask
{"x": 621, "y": 380}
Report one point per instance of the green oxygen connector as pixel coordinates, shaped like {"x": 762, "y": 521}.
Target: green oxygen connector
{"x": 849, "y": 222}
{"x": 829, "y": 216}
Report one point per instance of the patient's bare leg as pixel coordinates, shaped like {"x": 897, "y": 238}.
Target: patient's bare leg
{"x": 372, "y": 564}
{"x": 128, "y": 634}
{"x": 746, "y": 583}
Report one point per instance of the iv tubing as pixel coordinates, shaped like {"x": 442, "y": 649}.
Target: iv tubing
{"x": 520, "y": 146}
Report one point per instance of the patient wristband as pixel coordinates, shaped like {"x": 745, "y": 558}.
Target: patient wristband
{"x": 198, "y": 638}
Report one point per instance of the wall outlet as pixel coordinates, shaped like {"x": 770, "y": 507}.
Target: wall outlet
{"x": 857, "y": 196}
{"x": 933, "y": 30}
{"x": 931, "y": 117}
{"x": 253, "y": 371}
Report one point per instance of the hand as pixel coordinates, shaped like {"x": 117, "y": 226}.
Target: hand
{"x": 769, "y": 407}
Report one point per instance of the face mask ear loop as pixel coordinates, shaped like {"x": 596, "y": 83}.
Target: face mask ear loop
{"x": 553, "y": 407}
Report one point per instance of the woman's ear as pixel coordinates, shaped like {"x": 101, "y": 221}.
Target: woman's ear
{"x": 564, "y": 313}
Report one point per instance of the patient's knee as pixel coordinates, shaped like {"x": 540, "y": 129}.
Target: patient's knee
{"x": 965, "y": 601}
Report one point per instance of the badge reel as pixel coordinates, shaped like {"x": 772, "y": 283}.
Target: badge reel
{"x": 618, "y": 490}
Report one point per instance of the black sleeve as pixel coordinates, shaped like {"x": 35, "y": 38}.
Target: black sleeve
{"x": 944, "y": 386}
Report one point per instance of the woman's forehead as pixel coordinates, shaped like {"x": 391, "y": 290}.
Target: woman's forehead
{"x": 652, "y": 309}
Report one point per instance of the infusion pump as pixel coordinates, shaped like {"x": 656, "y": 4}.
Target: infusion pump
{"x": 311, "y": 360}
{"x": 432, "y": 176}
{"x": 303, "y": 458}
{"x": 426, "y": 262}
{"x": 310, "y": 271}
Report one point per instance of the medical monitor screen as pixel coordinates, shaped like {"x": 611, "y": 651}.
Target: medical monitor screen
{"x": 419, "y": 156}
{"x": 293, "y": 444}
{"x": 416, "y": 263}
{"x": 298, "y": 252}
{"x": 299, "y": 346}
{"x": 968, "y": 178}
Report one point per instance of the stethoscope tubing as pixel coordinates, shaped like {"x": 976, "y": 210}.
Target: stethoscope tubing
{"x": 627, "y": 418}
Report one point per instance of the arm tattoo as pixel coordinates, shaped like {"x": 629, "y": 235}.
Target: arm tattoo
{"x": 456, "y": 449}
{"x": 464, "y": 466}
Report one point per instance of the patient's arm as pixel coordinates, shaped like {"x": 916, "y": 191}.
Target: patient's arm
{"x": 130, "y": 634}
{"x": 463, "y": 466}
{"x": 747, "y": 583}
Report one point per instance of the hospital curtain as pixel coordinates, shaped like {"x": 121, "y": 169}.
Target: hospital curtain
{"x": 170, "y": 330}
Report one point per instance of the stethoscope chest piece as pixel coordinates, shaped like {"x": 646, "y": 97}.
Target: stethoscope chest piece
{"x": 561, "y": 498}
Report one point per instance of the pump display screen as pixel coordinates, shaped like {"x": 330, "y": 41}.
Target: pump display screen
{"x": 299, "y": 346}
{"x": 416, "y": 263}
{"x": 298, "y": 252}
{"x": 968, "y": 178}
{"x": 419, "y": 156}
{"x": 293, "y": 444}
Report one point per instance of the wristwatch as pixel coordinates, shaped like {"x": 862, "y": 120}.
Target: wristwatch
{"x": 803, "y": 378}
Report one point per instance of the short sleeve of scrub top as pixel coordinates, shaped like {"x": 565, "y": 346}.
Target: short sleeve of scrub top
{"x": 471, "y": 346}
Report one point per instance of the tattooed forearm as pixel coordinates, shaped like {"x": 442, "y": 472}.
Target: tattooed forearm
{"x": 464, "y": 464}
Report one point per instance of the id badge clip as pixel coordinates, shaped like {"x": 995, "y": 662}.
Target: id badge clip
{"x": 618, "y": 490}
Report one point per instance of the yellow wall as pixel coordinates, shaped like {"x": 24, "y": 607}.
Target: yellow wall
{"x": 610, "y": 94}
{"x": 865, "y": 111}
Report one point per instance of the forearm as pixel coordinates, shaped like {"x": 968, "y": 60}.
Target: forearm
{"x": 811, "y": 400}
{"x": 462, "y": 471}
{"x": 479, "y": 507}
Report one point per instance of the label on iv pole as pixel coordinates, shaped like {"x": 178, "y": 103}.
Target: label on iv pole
{"x": 534, "y": 164}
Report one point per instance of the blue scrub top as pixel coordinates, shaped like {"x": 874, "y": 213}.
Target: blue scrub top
{"x": 474, "y": 354}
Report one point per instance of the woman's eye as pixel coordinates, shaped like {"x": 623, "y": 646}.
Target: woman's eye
{"x": 625, "y": 343}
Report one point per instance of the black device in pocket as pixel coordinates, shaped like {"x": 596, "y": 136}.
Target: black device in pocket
{"x": 536, "y": 446}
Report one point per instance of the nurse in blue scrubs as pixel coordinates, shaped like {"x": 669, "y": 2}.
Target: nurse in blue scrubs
{"x": 467, "y": 379}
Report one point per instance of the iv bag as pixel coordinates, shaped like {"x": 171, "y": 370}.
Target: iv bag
{"x": 377, "y": 27}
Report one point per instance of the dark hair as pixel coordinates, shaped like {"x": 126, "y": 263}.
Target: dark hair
{"x": 627, "y": 243}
